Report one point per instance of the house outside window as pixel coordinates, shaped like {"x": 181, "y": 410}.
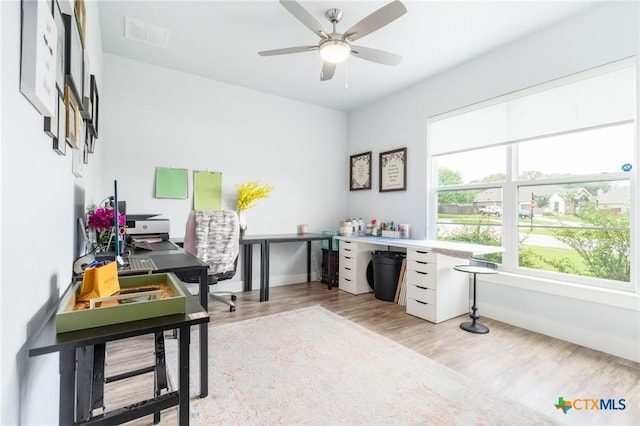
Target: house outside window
{"x": 549, "y": 174}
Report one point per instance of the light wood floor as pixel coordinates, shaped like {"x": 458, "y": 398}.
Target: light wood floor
{"x": 529, "y": 367}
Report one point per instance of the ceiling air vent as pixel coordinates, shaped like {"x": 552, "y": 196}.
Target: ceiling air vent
{"x": 145, "y": 33}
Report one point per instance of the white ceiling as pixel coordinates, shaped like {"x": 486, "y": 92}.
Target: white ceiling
{"x": 219, "y": 40}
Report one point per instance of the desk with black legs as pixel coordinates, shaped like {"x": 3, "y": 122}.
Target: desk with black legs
{"x": 72, "y": 345}
{"x": 265, "y": 241}
{"x": 178, "y": 261}
{"x": 80, "y": 392}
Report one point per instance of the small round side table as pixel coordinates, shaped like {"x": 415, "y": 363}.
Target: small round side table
{"x": 473, "y": 326}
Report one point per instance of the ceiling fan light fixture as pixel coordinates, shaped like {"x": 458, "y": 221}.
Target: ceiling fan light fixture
{"x": 334, "y": 51}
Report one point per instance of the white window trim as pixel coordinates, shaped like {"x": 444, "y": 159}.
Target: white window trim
{"x": 584, "y": 288}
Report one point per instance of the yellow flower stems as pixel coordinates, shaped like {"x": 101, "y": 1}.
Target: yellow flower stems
{"x": 249, "y": 192}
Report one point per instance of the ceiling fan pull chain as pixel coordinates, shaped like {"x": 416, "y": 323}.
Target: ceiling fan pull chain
{"x": 346, "y": 78}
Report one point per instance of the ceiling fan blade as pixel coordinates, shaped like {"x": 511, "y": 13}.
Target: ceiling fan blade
{"x": 376, "y": 55}
{"x": 304, "y": 16}
{"x": 287, "y": 50}
{"x": 328, "y": 68}
{"x": 378, "y": 19}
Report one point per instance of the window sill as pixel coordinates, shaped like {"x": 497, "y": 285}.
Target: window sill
{"x": 615, "y": 298}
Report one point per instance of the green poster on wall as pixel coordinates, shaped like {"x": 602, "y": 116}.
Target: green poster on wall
{"x": 171, "y": 183}
{"x": 207, "y": 190}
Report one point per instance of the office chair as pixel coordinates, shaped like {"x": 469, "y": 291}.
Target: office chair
{"x": 213, "y": 237}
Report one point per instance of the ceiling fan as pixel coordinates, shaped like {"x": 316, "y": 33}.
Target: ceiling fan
{"x": 335, "y": 47}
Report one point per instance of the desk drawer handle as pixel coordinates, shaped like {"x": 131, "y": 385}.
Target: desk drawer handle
{"x": 348, "y": 269}
{"x": 421, "y": 262}
{"x": 421, "y": 302}
{"x": 422, "y": 273}
{"x": 347, "y": 279}
{"x": 422, "y": 252}
{"x": 347, "y": 249}
{"x": 347, "y": 257}
{"x": 421, "y": 288}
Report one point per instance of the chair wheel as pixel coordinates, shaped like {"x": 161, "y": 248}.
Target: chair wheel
{"x": 233, "y": 297}
{"x": 232, "y": 308}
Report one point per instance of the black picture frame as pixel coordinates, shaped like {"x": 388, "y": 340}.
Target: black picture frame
{"x": 393, "y": 170}
{"x": 85, "y": 149}
{"x": 86, "y": 107}
{"x": 360, "y": 171}
{"x": 51, "y": 123}
{"x": 59, "y": 142}
{"x": 95, "y": 107}
{"x": 61, "y": 52}
{"x": 91, "y": 141}
{"x": 74, "y": 56}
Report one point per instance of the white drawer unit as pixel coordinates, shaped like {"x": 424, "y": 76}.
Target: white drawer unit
{"x": 354, "y": 259}
{"x": 435, "y": 291}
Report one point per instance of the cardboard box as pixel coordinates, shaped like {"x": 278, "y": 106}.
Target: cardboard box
{"x": 69, "y": 320}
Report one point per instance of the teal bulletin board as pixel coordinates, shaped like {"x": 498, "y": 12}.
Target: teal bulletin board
{"x": 171, "y": 183}
{"x": 207, "y": 190}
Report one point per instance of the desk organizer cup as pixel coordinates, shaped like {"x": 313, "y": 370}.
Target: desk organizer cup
{"x": 70, "y": 319}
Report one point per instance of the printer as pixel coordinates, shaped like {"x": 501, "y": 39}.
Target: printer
{"x": 147, "y": 226}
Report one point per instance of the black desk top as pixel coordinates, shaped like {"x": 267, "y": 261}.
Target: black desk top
{"x": 283, "y": 238}
{"x": 48, "y": 341}
{"x": 170, "y": 260}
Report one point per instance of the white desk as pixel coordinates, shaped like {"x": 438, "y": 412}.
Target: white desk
{"x": 435, "y": 291}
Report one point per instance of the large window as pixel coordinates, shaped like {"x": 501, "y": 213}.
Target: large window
{"x": 548, "y": 174}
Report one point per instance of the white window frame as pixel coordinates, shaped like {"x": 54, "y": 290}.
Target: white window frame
{"x": 510, "y": 190}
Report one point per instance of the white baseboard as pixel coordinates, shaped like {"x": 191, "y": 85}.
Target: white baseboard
{"x": 274, "y": 281}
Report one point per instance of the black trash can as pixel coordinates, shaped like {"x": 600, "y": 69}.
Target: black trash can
{"x": 386, "y": 271}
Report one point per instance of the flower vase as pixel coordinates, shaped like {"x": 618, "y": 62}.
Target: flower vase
{"x": 104, "y": 241}
{"x": 242, "y": 221}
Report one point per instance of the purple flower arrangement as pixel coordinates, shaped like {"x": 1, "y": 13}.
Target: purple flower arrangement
{"x": 103, "y": 219}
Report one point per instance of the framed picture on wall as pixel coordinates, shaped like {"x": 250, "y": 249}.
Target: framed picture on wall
{"x": 91, "y": 142}
{"x": 393, "y": 170}
{"x": 72, "y": 114}
{"x": 39, "y": 40}
{"x": 51, "y": 123}
{"x": 74, "y": 56}
{"x": 85, "y": 105}
{"x": 81, "y": 16}
{"x": 95, "y": 101}
{"x": 85, "y": 153}
{"x": 60, "y": 52}
{"x": 360, "y": 171}
{"x": 76, "y": 162}
{"x": 59, "y": 143}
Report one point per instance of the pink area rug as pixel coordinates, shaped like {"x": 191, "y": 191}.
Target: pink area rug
{"x": 311, "y": 366}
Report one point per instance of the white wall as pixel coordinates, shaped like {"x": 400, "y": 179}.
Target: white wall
{"x": 40, "y": 203}
{"x": 603, "y": 34}
{"x": 159, "y": 117}
{"x": 152, "y": 116}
